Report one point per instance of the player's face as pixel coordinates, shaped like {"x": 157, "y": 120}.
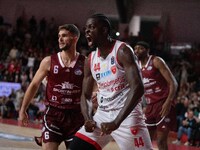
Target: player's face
{"x": 140, "y": 51}
{"x": 65, "y": 39}
{"x": 92, "y": 32}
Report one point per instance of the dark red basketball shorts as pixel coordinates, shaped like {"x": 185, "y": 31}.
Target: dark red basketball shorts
{"x": 155, "y": 121}
{"x": 60, "y": 124}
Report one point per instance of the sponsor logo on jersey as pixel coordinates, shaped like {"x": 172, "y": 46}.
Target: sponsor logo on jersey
{"x": 112, "y": 60}
{"x": 78, "y": 72}
{"x": 163, "y": 127}
{"x": 134, "y": 131}
{"x": 117, "y": 81}
{"x": 103, "y": 74}
{"x": 66, "y": 85}
{"x": 67, "y": 70}
{"x": 167, "y": 119}
{"x": 114, "y": 69}
{"x": 108, "y": 99}
{"x": 66, "y": 100}
{"x": 148, "y": 82}
{"x": 98, "y": 76}
{"x": 97, "y": 67}
{"x": 149, "y": 68}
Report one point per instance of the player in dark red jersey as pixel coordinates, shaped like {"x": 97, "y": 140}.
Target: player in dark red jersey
{"x": 160, "y": 88}
{"x": 64, "y": 72}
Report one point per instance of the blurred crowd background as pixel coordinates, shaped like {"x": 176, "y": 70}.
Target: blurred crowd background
{"x": 25, "y": 41}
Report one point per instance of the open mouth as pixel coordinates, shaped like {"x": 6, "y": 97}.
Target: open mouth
{"x": 89, "y": 40}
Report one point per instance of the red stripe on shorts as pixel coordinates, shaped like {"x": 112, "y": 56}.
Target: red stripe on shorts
{"x": 87, "y": 139}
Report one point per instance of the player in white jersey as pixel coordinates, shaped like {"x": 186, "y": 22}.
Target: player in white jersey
{"x": 119, "y": 114}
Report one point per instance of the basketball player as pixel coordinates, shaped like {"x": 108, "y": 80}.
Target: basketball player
{"x": 160, "y": 89}
{"x": 119, "y": 114}
{"x": 64, "y": 72}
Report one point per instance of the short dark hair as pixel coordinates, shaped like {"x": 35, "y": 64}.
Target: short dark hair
{"x": 104, "y": 20}
{"x": 71, "y": 28}
{"x": 144, "y": 44}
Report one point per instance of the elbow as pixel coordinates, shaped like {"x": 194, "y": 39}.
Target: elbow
{"x": 175, "y": 85}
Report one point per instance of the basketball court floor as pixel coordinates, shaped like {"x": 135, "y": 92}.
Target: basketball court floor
{"x": 15, "y": 137}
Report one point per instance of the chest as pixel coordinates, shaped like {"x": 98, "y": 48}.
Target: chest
{"x": 105, "y": 69}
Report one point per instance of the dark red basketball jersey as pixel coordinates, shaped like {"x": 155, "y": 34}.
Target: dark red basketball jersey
{"x": 155, "y": 85}
{"x": 64, "y": 84}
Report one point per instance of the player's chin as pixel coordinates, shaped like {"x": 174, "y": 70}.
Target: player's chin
{"x": 92, "y": 46}
{"x": 64, "y": 48}
{"x": 61, "y": 47}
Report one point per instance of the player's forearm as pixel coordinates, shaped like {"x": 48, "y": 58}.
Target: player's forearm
{"x": 85, "y": 109}
{"x": 172, "y": 91}
{"x": 29, "y": 95}
{"x": 131, "y": 102}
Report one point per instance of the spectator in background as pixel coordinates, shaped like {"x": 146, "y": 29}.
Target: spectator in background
{"x": 33, "y": 25}
{"x": 18, "y": 99}
{"x": 14, "y": 52}
{"x": 3, "y": 107}
{"x": 181, "y": 107}
{"x": 31, "y": 60}
{"x": 187, "y": 127}
{"x": 43, "y": 25}
{"x": 195, "y": 138}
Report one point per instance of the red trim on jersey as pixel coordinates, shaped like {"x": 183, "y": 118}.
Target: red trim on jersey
{"x": 117, "y": 55}
{"x": 98, "y": 54}
{"x": 87, "y": 139}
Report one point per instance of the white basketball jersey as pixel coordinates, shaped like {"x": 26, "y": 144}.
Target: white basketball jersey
{"x": 113, "y": 87}
{"x": 110, "y": 77}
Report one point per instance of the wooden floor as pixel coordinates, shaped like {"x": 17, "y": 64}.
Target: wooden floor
{"x": 11, "y": 128}
{"x": 15, "y": 137}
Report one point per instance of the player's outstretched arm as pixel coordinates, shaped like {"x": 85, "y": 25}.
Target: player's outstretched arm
{"x": 32, "y": 89}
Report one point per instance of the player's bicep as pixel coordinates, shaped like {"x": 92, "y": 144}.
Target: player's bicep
{"x": 160, "y": 64}
{"x": 128, "y": 61}
{"x": 42, "y": 71}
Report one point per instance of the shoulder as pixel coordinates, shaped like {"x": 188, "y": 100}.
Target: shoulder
{"x": 46, "y": 59}
{"x": 125, "y": 49}
{"x": 158, "y": 61}
{"x": 125, "y": 55}
{"x": 45, "y": 63}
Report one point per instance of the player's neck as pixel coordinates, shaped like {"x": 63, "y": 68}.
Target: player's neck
{"x": 144, "y": 60}
{"x": 68, "y": 56}
{"x": 106, "y": 48}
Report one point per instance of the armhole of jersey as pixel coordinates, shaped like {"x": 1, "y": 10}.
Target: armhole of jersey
{"x": 152, "y": 58}
{"x": 117, "y": 54}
